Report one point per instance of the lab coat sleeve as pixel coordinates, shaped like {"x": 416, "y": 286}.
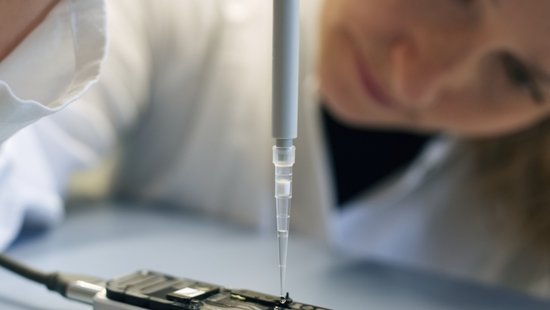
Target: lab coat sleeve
{"x": 51, "y": 68}
{"x": 40, "y": 159}
{"x": 145, "y": 42}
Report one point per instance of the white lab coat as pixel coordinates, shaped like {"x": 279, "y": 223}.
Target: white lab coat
{"x": 186, "y": 90}
{"x": 52, "y": 67}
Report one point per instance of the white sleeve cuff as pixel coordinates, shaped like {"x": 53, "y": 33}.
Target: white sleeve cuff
{"x": 54, "y": 65}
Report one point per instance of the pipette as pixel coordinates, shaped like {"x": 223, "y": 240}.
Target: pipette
{"x": 286, "y": 42}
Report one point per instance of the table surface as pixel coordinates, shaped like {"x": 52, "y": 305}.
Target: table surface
{"x": 109, "y": 241}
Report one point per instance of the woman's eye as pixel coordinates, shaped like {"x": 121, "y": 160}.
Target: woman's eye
{"x": 520, "y": 76}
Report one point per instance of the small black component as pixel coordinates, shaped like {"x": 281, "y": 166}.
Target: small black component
{"x": 260, "y": 298}
{"x": 286, "y": 300}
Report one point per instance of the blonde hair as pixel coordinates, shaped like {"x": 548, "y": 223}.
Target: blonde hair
{"x": 513, "y": 173}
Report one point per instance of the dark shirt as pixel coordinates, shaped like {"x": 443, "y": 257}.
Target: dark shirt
{"x": 362, "y": 158}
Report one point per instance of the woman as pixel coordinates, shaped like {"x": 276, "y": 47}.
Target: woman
{"x": 470, "y": 69}
{"x": 455, "y": 88}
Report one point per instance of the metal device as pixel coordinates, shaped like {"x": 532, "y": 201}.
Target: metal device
{"x": 150, "y": 290}
{"x": 153, "y": 290}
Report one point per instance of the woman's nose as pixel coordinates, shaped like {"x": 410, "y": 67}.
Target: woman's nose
{"x": 424, "y": 63}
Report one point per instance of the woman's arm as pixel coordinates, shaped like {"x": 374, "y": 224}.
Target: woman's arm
{"x": 18, "y": 18}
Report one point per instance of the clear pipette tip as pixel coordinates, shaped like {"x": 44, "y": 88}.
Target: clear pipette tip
{"x": 282, "y": 237}
{"x": 283, "y": 159}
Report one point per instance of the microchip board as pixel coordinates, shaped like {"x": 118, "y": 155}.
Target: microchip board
{"x": 153, "y": 290}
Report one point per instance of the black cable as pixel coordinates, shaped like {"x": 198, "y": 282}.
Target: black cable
{"x": 24, "y": 271}
{"x": 54, "y": 281}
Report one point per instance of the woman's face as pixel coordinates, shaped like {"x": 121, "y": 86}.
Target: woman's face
{"x": 468, "y": 67}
